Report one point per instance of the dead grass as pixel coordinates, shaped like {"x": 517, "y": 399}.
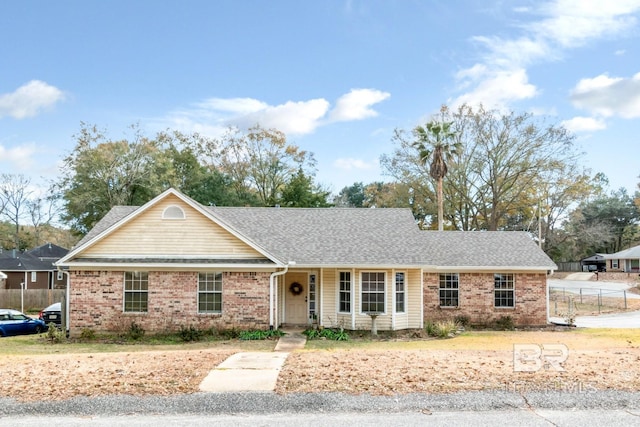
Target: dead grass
{"x": 476, "y": 361}
{"x": 483, "y": 360}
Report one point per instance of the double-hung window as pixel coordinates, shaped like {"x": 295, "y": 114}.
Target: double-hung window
{"x": 210, "y": 292}
{"x": 504, "y": 290}
{"x": 449, "y": 290}
{"x": 373, "y": 292}
{"x": 400, "y": 292}
{"x": 136, "y": 291}
{"x": 345, "y": 292}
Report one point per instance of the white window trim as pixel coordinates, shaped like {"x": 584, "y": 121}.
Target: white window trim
{"x": 449, "y": 307}
{"x": 34, "y": 276}
{"x": 384, "y": 292}
{"x": 404, "y": 292}
{"x": 351, "y": 286}
{"x": 173, "y": 212}
{"x": 513, "y": 290}
{"x": 210, "y": 292}
{"x": 125, "y": 291}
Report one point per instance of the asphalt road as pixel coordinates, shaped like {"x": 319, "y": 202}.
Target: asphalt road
{"x": 485, "y": 408}
{"x": 524, "y": 417}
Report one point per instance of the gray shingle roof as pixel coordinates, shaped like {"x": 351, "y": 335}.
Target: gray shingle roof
{"x": 328, "y": 236}
{"x": 363, "y": 237}
{"x": 24, "y": 262}
{"x": 483, "y": 249}
{"x": 631, "y": 253}
{"x": 48, "y": 251}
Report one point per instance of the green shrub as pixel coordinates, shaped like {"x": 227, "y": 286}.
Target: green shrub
{"x": 190, "y": 334}
{"x": 230, "y": 334}
{"x": 505, "y": 323}
{"x": 55, "y": 334}
{"x": 87, "y": 334}
{"x": 462, "y": 320}
{"x": 442, "y": 328}
{"x": 260, "y": 335}
{"x": 430, "y": 328}
{"x": 135, "y": 331}
{"x": 330, "y": 334}
{"x": 311, "y": 334}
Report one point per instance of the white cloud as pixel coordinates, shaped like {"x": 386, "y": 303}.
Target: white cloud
{"x": 558, "y": 25}
{"x": 513, "y": 53}
{"x": 292, "y": 118}
{"x": 356, "y": 105}
{"x": 609, "y": 96}
{"x": 212, "y": 116}
{"x": 29, "y": 99}
{"x": 350, "y": 164}
{"x": 496, "y": 89}
{"x": 234, "y": 105}
{"x": 17, "y": 158}
{"x": 571, "y": 23}
{"x": 584, "y": 124}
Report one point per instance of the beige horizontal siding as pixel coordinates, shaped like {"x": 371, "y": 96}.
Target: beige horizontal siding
{"x": 414, "y": 299}
{"x": 411, "y": 319}
{"x": 194, "y": 235}
{"x": 329, "y": 298}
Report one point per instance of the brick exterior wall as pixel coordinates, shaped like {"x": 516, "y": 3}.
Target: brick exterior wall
{"x": 96, "y": 300}
{"x": 476, "y": 299}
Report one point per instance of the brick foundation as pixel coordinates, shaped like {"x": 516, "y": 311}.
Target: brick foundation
{"x": 97, "y": 302}
{"x": 476, "y": 299}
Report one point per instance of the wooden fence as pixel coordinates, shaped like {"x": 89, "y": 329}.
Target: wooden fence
{"x": 34, "y": 299}
{"x": 569, "y": 266}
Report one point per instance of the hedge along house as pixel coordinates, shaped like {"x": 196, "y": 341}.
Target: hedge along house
{"x": 175, "y": 263}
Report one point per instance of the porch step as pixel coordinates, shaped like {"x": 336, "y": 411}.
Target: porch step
{"x": 293, "y": 340}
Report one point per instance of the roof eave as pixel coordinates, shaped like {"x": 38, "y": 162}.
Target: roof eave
{"x": 167, "y": 266}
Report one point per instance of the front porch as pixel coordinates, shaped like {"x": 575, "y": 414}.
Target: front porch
{"x": 346, "y": 298}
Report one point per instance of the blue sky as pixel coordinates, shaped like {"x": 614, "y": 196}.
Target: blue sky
{"x": 336, "y": 76}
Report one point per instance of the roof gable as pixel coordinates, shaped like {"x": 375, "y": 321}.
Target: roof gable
{"x": 48, "y": 251}
{"x": 147, "y": 231}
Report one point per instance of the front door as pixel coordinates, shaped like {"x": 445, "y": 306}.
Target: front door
{"x": 295, "y": 298}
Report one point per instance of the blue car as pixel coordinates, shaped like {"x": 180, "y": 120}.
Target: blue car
{"x": 13, "y": 322}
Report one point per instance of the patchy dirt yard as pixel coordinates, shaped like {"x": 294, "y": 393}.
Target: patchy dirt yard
{"x": 476, "y": 361}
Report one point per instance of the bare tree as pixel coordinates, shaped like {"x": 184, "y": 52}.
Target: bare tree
{"x": 15, "y": 192}
{"x": 42, "y": 211}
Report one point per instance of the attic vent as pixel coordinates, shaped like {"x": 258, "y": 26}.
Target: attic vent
{"x": 173, "y": 212}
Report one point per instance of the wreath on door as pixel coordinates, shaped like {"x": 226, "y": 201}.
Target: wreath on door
{"x": 295, "y": 288}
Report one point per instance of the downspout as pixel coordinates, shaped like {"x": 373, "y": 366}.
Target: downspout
{"x": 272, "y": 279}
{"x": 546, "y": 282}
{"x": 67, "y": 305}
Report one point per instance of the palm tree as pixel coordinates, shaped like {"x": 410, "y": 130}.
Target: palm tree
{"x": 435, "y": 142}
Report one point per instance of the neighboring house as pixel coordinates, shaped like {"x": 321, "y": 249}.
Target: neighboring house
{"x": 34, "y": 269}
{"x": 627, "y": 261}
{"x": 175, "y": 263}
{"x": 594, "y": 263}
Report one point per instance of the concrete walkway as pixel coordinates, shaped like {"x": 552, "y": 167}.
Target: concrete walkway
{"x": 253, "y": 371}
